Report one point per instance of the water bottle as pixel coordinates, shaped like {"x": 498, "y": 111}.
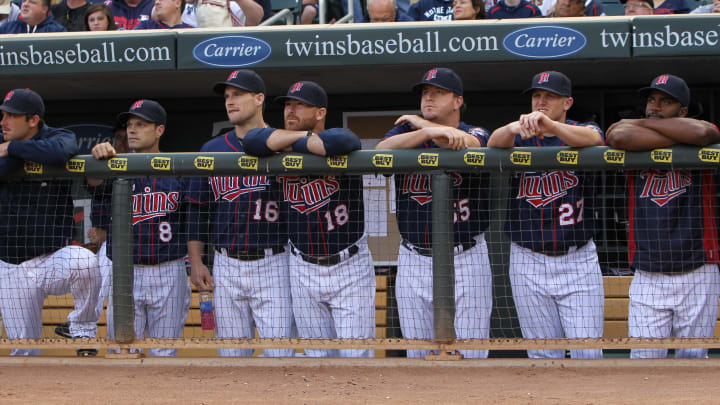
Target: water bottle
{"x": 207, "y": 315}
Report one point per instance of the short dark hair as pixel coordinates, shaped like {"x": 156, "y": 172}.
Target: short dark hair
{"x": 105, "y": 10}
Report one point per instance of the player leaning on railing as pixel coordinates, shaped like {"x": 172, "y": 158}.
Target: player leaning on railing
{"x": 36, "y": 222}
{"x": 672, "y": 235}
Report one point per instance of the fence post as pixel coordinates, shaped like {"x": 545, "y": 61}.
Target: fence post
{"x": 122, "y": 255}
{"x": 443, "y": 258}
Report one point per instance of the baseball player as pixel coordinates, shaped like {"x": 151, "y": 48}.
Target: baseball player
{"x": 250, "y": 274}
{"x": 332, "y": 275}
{"x": 439, "y": 126}
{"x": 36, "y": 222}
{"x": 554, "y": 271}
{"x": 161, "y": 290}
{"x": 672, "y": 237}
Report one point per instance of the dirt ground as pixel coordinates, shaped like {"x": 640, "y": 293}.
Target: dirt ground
{"x": 76, "y": 383}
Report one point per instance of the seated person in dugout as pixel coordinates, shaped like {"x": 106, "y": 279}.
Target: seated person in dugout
{"x": 554, "y": 271}
{"x": 441, "y": 101}
{"x": 672, "y": 238}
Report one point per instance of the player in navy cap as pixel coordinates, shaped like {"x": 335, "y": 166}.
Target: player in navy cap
{"x": 36, "y": 227}
{"x": 331, "y": 269}
{"x": 672, "y": 235}
{"x": 554, "y": 271}
{"x": 439, "y": 126}
{"x": 247, "y": 228}
{"x": 161, "y": 290}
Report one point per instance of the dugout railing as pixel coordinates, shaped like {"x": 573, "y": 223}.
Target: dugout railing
{"x": 438, "y": 162}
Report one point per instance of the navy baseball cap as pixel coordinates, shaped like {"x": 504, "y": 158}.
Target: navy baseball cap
{"x": 244, "y": 79}
{"x": 552, "y": 81}
{"x": 307, "y": 92}
{"x": 148, "y": 110}
{"x": 443, "y": 78}
{"x": 23, "y": 101}
{"x": 671, "y": 85}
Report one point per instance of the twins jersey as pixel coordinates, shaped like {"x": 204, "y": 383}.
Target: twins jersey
{"x": 325, "y": 213}
{"x": 672, "y": 220}
{"x": 414, "y": 198}
{"x": 126, "y": 17}
{"x": 551, "y": 210}
{"x": 244, "y": 211}
{"x": 431, "y": 10}
{"x": 36, "y": 218}
{"x": 673, "y": 7}
{"x": 157, "y": 217}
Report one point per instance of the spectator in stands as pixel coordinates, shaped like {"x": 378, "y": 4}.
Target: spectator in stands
{"x": 638, "y": 7}
{"x": 213, "y": 13}
{"x": 9, "y": 11}
{"x": 672, "y": 235}
{"x": 98, "y": 17}
{"x": 70, "y": 14}
{"x": 576, "y": 8}
{"x": 673, "y": 7}
{"x": 167, "y": 14}
{"x": 129, "y": 13}
{"x": 34, "y": 17}
{"x": 385, "y": 11}
{"x": 310, "y": 11}
{"x": 514, "y": 9}
{"x": 468, "y": 9}
{"x": 708, "y": 8}
{"x": 432, "y": 10}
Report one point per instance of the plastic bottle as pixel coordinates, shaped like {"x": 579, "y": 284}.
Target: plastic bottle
{"x": 207, "y": 313}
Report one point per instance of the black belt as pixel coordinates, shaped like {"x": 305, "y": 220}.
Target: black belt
{"x": 252, "y": 254}
{"x": 556, "y": 253}
{"x": 457, "y": 249}
{"x": 328, "y": 260}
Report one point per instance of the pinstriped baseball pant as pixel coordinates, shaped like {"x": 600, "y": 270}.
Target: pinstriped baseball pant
{"x": 558, "y": 297}
{"x": 24, "y": 287}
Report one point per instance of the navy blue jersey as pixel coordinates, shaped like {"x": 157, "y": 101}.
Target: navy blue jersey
{"x": 243, "y": 211}
{"x": 36, "y": 218}
{"x": 414, "y": 198}
{"x": 672, "y": 220}
{"x": 524, "y": 9}
{"x": 325, "y": 213}
{"x": 673, "y": 7}
{"x": 431, "y": 10}
{"x": 126, "y": 17}
{"x": 21, "y": 27}
{"x": 158, "y": 220}
{"x": 551, "y": 210}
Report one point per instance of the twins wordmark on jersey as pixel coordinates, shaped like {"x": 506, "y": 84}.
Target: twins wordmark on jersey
{"x": 542, "y": 188}
{"x": 418, "y": 187}
{"x": 663, "y": 186}
{"x": 152, "y": 204}
{"x": 230, "y": 188}
{"x": 309, "y": 194}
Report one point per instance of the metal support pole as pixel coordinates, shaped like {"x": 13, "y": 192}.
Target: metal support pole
{"x": 443, "y": 258}
{"x": 122, "y": 258}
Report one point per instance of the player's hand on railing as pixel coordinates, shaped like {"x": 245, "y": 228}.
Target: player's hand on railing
{"x": 534, "y": 124}
{"x": 447, "y": 137}
{"x": 201, "y": 278}
{"x": 103, "y": 150}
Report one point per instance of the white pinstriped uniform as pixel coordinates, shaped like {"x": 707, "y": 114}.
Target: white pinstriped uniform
{"x": 673, "y": 305}
{"x": 335, "y": 301}
{"x": 473, "y": 296}
{"x": 251, "y": 294}
{"x": 24, "y": 287}
{"x": 162, "y": 298}
{"x": 558, "y": 297}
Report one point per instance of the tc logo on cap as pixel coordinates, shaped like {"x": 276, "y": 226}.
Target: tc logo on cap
{"x": 544, "y": 77}
{"x": 663, "y": 79}
{"x": 431, "y": 74}
{"x": 9, "y": 95}
{"x": 233, "y": 75}
{"x": 136, "y": 105}
{"x": 296, "y": 87}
